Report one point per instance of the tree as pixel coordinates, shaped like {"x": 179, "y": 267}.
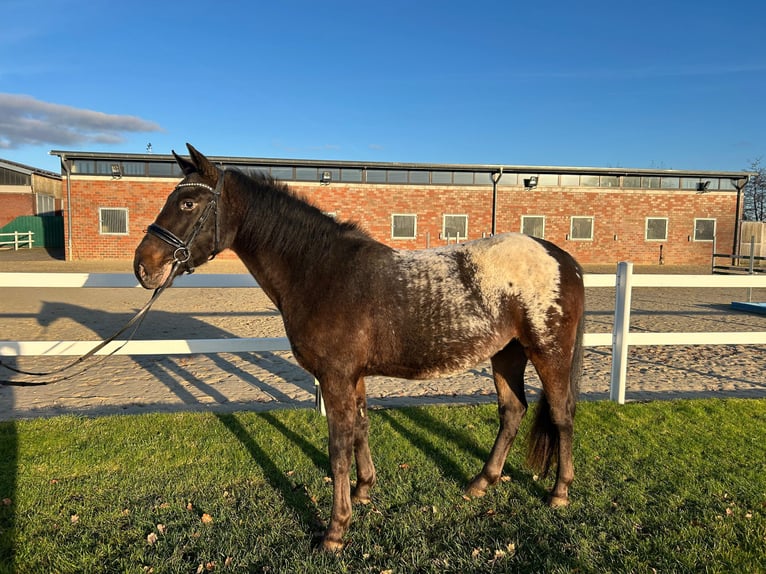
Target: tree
{"x": 754, "y": 201}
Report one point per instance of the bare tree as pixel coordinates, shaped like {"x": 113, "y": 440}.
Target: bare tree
{"x": 754, "y": 207}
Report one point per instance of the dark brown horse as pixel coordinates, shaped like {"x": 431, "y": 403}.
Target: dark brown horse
{"x": 353, "y": 307}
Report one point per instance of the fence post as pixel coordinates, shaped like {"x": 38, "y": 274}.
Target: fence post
{"x": 16, "y": 240}
{"x": 318, "y": 400}
{"x": 620, "y": 332}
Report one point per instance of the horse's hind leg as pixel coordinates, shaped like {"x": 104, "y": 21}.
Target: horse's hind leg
{"x": 552, "y": 433}
{"x": 508, "y": 371}
{"x": 365, "y": 470}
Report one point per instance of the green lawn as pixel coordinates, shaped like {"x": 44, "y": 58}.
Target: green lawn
{"x": 666, "y": 486}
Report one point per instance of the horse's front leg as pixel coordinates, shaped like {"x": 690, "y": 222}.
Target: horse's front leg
{"x": 341, "y": 420}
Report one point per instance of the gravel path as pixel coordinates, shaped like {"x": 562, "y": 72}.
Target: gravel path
{"x": 261, "y": 381}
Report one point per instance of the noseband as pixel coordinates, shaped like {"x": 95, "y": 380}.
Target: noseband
{"x": 182, "y": 252}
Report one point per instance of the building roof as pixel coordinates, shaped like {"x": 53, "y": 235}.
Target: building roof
{"x": 27, "y": 169}
{"x": 328, "y": 164}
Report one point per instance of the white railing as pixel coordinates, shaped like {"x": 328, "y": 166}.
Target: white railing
{"x": 620, "y": 339}
{"x": 19, "y": 239}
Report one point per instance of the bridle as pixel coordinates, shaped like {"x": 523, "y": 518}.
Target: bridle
{"x": 182, "y": 252}
{"x": 181, "y": 257}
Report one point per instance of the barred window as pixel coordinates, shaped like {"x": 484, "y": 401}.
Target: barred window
{"x": 113, "y": 221}
{"x": 404, "y": 226}
{"x": 656, "y": 229}
{"x": 581, "y": 228}
{"x": 455, "y": 227}
{"x": 704, "y": 229}
{"x": 533, "y": 225}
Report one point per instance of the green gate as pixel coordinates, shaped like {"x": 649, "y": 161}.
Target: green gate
{"x": 48, "y": 230}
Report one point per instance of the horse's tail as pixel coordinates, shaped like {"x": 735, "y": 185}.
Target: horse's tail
{"x": 544, "y": 436}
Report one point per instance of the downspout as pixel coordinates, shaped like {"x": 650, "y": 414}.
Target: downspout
{"x": 495, "y": 175}
{"x": 66, "y": 169}
{"x": 738, "y": 216}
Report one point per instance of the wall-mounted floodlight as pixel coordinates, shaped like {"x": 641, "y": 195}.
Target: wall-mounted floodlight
{"x": 325, "y": 178}
{"x": 530, "y": 182}
{"x": 116, "y": 171}
{"x": 703, "y": 185}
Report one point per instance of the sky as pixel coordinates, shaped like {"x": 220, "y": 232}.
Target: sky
{"x": 651, "y": 84}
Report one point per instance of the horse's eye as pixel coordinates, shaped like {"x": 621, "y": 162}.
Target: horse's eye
{"x": 187, "y": 205}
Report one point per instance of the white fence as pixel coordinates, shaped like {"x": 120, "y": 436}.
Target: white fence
{"x": 620, "y": 339}
{"x": 20, "y": 239}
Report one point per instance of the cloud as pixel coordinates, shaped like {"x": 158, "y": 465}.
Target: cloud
{"x": 25, "y": 120}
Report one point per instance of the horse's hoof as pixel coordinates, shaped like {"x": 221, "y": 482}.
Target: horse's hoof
{"x": 333, "y": 546}
{"x": 475, "y": 492}
{"x": 356, "y": 499}
{"x": 558, "y": 501}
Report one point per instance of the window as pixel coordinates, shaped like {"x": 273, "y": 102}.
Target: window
{"x": 650, "y": 182}
{"x": 133, "y": 168}
{"x": 656, "y": 229}
{"x": 113, "y": 221}
{"x": 570, "y": 180}
{"x": 397, "y": 176}
{"x": 376, "y": 176}
{"x": 419, "y": 177}
{"x": 669, "y": 182}
{"x": 581, "y": 228}
{"x": 633, "y": 181}
{"x": 610, "y": 181}
{"x": 548, "y": 179}
{"x": 279, "y": 172}
{"x": 351, "y": 175}
{"x": 462, "y": 178}
{"x": 306, "y": 174}
{"x": 10, "y": 177}
{"x": 533, "y": 225}
{"x": 46, "y": 204}
{"x": 589, "y": 180}
{"x": 704, "y": 229}
{"x": 455, "y": 227}
{"x": 403, "y": 226}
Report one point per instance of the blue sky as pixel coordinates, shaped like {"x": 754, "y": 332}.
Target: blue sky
{"x": 656, "y": 84}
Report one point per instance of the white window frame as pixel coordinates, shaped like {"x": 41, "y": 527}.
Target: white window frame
{"x": 646, "y": 229}
{"x": 694, "y": 231}
{"x": 524, "y": 217}
{"x": 592, "y": 227}
{"x": 101, "y": 211}
{"x": 414, "y": 227}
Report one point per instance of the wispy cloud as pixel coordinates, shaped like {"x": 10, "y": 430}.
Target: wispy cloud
{"x": 25, "y": 120}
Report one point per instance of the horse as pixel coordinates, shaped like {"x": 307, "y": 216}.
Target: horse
{"x": 354, "y": 307}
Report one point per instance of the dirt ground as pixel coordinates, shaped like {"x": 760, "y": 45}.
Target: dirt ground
{"x": 267, "y": 380}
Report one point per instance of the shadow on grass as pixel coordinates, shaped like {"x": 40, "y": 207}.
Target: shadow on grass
{"x": 8, "y": 472}
{"x": 427, "y": 430}
{"x": 294, "y": 496}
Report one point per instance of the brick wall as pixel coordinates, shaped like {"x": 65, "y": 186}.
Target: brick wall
{"x": 12, "y": 205}
{"x": 619, "y": 216}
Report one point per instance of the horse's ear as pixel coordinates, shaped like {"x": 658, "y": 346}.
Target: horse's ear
{"x": 186, "y": 166}
{"x": 201, "y": 164}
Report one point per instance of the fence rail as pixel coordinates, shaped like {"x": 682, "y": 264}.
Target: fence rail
{"x": 620, "y": 339}
{"x": 20, "y": 238}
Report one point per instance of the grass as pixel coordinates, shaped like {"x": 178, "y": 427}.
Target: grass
{"x": 664, "y": 486}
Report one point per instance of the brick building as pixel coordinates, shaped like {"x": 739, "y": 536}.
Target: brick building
{"x": 26, "y": 190}
{"x": 600, "y": 215}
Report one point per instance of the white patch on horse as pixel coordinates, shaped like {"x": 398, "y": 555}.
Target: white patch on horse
{"x": 515, "y": 264}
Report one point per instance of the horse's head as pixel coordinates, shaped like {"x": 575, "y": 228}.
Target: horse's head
{"x": 187, "y": 231}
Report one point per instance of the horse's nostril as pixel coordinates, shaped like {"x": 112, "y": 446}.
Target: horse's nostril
{"x": 142, "y": 271}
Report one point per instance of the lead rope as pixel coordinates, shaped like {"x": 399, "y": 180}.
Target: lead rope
{"x": 136, "y": 320}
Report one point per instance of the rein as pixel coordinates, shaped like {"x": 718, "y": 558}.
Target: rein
{"x": 181, "y": 256}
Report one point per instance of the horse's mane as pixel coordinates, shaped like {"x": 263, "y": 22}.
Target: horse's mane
{"x": 287, "y": 219}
